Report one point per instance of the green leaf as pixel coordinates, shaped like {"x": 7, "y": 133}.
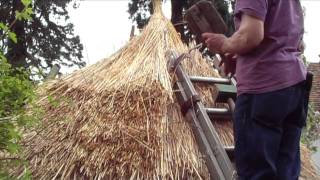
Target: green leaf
{"x": 3, "y": 58}
{"x": 27, "y": 13}
{"x": 3, "y": 26}
{"x": 13, "y": 37}
{"x": 19, "y": 15}
{"x": 26, "y": 174}
{"x": 14, "y": 134}
{"x": 26, "y": 3}
{"x": 13, "y": 148}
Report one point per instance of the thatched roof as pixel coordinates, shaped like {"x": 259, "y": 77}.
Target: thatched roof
{"x": 118, "y": 119}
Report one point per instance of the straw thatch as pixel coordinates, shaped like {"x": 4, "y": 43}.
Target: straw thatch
{"x": 118, "y": 119}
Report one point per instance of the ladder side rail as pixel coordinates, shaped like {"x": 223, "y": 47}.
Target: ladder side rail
{"x": 205, "y": 122}
{"x": 201, "y": 139}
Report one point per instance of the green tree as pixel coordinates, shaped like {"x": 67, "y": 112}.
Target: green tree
{"x": 140, "y": 10}
{"x": 16, "y": 93}
{"x": 46, "y": 40}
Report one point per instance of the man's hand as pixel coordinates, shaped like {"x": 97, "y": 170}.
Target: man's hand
{"x": 215, "y": 44}
{"x": 229, "y": 63}
{"x": 214, "y": 41}
{"x": 249, "y": 35}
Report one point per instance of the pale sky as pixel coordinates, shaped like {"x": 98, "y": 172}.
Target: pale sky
{"x": 312, "y": 28}
{"x": 104, "y": 27}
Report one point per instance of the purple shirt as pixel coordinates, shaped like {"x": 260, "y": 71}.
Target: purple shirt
{"x": 275, "y": 63}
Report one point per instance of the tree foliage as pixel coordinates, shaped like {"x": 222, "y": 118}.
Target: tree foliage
{"x": 311, "y": 132}
{"x": 140, "y": 11}
{"x": 46, "y": 40}
{"x": 16, "y": 92}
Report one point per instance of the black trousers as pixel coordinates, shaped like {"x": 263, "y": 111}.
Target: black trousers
{"x": 267, "y": 131}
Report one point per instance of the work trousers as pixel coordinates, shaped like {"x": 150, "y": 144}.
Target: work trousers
{"x": 267, "y": 129}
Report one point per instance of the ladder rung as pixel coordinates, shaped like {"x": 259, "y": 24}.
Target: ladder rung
{"x": 218, "y": 111}
{"x": 229, "y": 148}
{"x": 230, "y": 151}
{"x": 225, "y": 92}
{"x": 214, "y": 80}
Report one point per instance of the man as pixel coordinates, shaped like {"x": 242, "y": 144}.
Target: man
{"x": 271, "y": 104}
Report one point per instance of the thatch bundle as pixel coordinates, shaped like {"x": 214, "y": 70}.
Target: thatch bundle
{"x": 118, "y": 119}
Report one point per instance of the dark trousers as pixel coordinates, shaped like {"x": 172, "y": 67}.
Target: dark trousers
{"x": 267, "y": 132}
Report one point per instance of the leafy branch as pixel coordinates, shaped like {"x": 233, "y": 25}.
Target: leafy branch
{"x": 25, "y": 14}
{"x": 16, "y": 92}
{"x": 311, "y": 132}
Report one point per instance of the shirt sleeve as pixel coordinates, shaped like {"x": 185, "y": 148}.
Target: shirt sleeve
{"x": 256, "y": 8}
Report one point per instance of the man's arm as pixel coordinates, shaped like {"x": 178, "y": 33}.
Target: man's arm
{"x": 249, "y": 35}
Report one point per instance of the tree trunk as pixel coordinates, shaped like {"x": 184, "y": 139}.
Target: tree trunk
{"x": 17, "y": 51}
{"x": 177, "y": 17}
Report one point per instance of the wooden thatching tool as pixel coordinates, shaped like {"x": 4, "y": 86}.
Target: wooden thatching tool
{"x": 203, "y": 17}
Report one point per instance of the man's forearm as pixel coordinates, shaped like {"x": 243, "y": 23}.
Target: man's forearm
{"x": 237, "y": 44}
{"x": 249, "y": 35}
